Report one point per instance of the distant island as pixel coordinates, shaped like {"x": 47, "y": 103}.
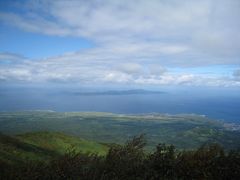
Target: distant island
{"x": 117, "y": 92}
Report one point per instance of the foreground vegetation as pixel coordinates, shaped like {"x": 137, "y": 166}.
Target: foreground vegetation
{"x": 131, "y": 162}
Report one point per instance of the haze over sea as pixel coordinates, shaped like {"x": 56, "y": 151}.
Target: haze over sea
{"x": 222, "y": 104}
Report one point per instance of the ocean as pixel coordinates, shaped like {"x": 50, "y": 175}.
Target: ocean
{"x": 222, "y": 105}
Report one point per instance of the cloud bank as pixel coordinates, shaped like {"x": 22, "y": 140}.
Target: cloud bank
{"x": 136, "y": 41}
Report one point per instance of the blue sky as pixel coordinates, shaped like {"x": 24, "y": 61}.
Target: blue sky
{"x": 144, "y": 43}
{"x": 37, "y": 46}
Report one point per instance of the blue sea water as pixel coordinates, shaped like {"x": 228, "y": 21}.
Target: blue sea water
{"x": 221, "y": 104}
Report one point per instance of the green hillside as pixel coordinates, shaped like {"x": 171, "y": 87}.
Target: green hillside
{"x": 13, "y": 150}
{"x": 183, "y": 131}
{"x": 60, "y": 143}
{"x": 43, "y": 146}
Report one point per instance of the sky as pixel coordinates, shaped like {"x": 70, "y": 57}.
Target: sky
{"x": 120, "y": 42}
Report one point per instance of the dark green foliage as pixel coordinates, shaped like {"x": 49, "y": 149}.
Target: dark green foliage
{"x": 209, "y": 162}
{"x": 131, "y": 162}
{"x": 162, "y": 162}
{"x": 126, "y": 162}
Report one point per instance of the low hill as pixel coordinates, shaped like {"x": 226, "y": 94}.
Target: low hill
{"x": 43, "y": 146}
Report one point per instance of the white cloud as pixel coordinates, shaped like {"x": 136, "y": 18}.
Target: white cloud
{"x": 236, "y": 75}
{"x": 166, "y": 27}
{"x": 130, "y": 68}
{"x": 82, "y": 72}
{"x": 10, "y": 57}
{"x": 155, "y": 69}
{"x": 136, "y": 41}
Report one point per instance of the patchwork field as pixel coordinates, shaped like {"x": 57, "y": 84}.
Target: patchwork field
{"x": 183, "y": 131}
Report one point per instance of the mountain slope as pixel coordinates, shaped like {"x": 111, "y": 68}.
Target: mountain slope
{"x": 61, "y": 143}
{"x": 43, "y": 146}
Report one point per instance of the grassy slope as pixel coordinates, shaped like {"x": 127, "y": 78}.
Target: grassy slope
{"x": 61, "y": 143}
{"x": 43, "y": 145}
{"x": 13, "y": 150}
{"x": 184, "y": 131}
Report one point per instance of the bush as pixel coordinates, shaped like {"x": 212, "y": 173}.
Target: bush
{"x": 131, "y": 162}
